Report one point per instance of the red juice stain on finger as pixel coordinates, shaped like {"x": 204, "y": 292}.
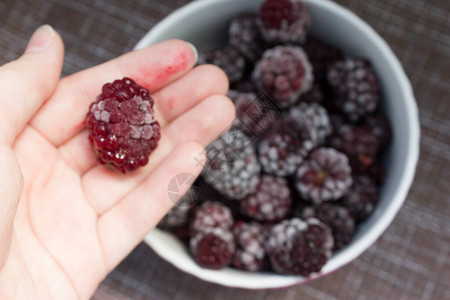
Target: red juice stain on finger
{"x": 155, "y": 75}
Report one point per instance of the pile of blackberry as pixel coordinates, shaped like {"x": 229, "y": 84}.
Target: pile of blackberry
{"x": 289, "y": 183}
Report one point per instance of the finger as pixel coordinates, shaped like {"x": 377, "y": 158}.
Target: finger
{"x": 154, "y": 67}
{"x": 183, "y": 94}
{"x": 203, "y": 123}
{"x": 78, "y": 153}
{"x": 11, "y": 183}
{"x": 191, "y": 89}
{"x": 122, "y": 227}
{"x": 117, "y": 185}
{"x": 29, "y": 81}
{"x": 104, "y": 188}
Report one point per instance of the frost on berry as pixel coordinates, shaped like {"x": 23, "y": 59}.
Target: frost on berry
{"x": 244, "y": 35}
{"x": 228, "y": 59}
{"x": 271, "y": 202}
{"x": 355, "y": 87}
{"x": 213, "y": 248}
{"x": 284, "y": 73}
{"x": 210, "y": 214}
{"x": 284, "y": 148}
{"x": 250, "y": 253}
{"x": 315, "y": 115}
{"x": 324, "y": 176}
{"x": 284, "y": 21}
{"x": 337, "y": 217}
{"x": 232, "y": 167}
{"x": 299, "y": 247}
{"x": 254, "y": 115}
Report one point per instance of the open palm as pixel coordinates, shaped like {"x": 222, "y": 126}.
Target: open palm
{"x": 65, "y": 220}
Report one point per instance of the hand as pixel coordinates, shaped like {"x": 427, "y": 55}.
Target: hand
{"x": 65, "y": 220}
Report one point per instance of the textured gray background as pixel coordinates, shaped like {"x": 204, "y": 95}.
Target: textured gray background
{"x": 410, "y": 261}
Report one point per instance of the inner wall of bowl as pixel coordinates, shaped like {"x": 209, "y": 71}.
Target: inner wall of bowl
{"x": 208, "y": 30}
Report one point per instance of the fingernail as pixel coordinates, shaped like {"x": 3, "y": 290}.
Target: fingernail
{"x": 41, "y": 39}
{"x": 195, "y": 52}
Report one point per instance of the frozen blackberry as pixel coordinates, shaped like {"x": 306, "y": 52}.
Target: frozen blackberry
{"x": 213, "y": 248}
{"x": 324, "y": 176}
{"x": 362, "y": 197}
{"x": 355, "y": 87}
{"x": 321, "y": 55}
{"x": 250, "y": 254}
{"x": 337, "y": 217}
{"x": 283, "y": 21}
{"x": 359, "y": 144}
{"x": 228, "y": 59}
{"x": 315, "y": 95}
{"x": 210, "y": 214}
{"x": 284, "y": 73}
{"x": 232, "y": 167}
{"x": 251, "y": 116}
{"x": 271, "y": 202}
{"x": 244, "y": 35}
{"x": 316, "y": 116}
{"x": 299, "y": 247}
{"x": 284, "y": 148}
{"x": 381, "y": 129}
{"x": 122, "y": 128}
{"x": 340, "y": 221}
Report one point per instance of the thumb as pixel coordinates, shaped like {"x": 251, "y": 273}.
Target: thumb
{"x": 24, "y": 85}
{"x": 28, "y": 81}
{"x": 11, "y": 183}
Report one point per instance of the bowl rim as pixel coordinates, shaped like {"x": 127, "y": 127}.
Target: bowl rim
{"x": 354, "y": 249}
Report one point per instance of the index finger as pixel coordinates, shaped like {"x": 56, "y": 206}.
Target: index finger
{"x": 62, "y": 116}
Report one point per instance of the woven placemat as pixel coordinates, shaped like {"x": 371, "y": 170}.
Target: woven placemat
{"x": 410, "y": 260}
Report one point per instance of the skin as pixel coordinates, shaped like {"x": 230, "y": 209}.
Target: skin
{"x": 65, "y": 220}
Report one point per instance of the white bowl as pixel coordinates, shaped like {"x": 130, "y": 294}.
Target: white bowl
{"x": 204, "y": 24}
